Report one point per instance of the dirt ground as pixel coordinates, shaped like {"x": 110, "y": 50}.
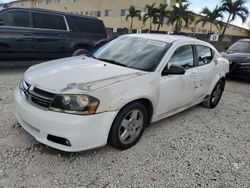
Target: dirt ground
{"x": 196, "y": 148}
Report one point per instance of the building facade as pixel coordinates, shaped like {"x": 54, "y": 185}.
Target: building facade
{"x": 113, "y": 13}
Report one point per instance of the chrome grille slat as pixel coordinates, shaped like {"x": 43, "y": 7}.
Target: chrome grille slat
{"x": 36, "y": 96}
{"x": 39, "y": 96}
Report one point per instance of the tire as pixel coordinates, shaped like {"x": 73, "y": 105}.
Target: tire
{"x": 128, "y": 126}
{"x": 80, "y": 52}
{"x": 214, "y": 98}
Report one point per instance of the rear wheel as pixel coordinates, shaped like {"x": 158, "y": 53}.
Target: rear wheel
{"x": 214, "y": 98}
{"x": 128, "y": 126}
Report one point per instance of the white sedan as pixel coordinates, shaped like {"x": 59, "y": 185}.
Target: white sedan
{"x": 84, "y": 102}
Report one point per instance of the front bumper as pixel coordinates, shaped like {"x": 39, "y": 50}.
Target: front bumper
{"x": 241, "y": 70}
{"x": 83, "y": 132}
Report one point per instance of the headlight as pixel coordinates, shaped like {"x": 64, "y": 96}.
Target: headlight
{"x": 75, "y": 104}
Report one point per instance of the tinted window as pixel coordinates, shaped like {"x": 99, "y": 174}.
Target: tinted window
{"x": 48, "y": 21}
{"x": 241, "y": 46}
{"x": 183, "y": 56}
{"x": 204, "y": 54}
{"x": 88, "y": 25}
{"x": 16, "y": 18}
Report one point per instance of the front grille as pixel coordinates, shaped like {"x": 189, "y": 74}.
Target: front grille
{"x": 36, "y": 96}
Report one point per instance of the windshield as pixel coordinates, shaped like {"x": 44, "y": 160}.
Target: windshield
{"x": 241, "y": 46}
{"x": 133, "y": 52}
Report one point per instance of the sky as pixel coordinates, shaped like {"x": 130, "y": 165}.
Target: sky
{"x": 197, "y": 5}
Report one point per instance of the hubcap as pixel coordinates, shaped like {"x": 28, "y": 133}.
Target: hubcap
{"x": 216, "y": 94}
{"x": 131, "y": 126}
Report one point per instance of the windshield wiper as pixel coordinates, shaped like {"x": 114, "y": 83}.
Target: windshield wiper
{"x": 111, "y": 61}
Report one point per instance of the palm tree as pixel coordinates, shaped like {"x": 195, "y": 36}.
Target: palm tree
{"x": 162, "y": 13}
{"x": 180, "y": 14}
{"x": 248, "y": 25}
{"x": 234, "y": 9}
{"x": 211, "y": 16}
{"x": 151, "y": 14}
{"x": 133, "y": 13}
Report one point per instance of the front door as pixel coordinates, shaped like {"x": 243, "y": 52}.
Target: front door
{"x": 176, "y": 91}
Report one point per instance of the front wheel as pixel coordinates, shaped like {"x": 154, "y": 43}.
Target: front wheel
{"x": 214, "y": 98}
{"x": 128, "y": 126}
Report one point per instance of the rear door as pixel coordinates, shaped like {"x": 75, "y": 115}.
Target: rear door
{"x": 51, "y": 34}
{"x": 208, "y": 68}
{"x": 16, "y": 34}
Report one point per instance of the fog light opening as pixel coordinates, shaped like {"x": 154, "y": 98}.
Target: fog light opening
{"x": 59, "y": 140}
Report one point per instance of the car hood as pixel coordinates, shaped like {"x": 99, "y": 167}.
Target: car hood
{"x": 237, "y": 57}
{"x": 77, "y": 75}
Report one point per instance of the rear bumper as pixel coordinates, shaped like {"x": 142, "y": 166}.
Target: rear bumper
{"x": 83, "y": 132}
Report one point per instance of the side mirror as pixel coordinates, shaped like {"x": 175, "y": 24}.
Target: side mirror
{"x": 173, "y": 69}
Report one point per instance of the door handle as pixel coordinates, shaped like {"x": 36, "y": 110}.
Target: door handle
{"x": 193, "y": 74}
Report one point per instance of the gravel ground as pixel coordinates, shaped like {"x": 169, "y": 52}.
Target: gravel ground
{"x": 196, "y": 148}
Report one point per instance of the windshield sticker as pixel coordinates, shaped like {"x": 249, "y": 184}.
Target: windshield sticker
{"x": 156, "y": 43}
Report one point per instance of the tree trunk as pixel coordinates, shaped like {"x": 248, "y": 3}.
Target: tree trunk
{"x": 159, "y": 26}
{"x": 179, "y": 26}
{"x": 211, "y": 27}
{"x": 131, "y": 24}
{"x": 176, "y": 27}
{"x": 150, "y": 25}
{"x": 224, "y": 30}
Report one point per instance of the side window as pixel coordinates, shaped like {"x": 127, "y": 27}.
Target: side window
{"x": 16, "y": 18}
{"x": 183, "y": 56}
{"x": 86, "y": 25}
{"x": 205, "y": 55}
{"x": 48, "y": 21}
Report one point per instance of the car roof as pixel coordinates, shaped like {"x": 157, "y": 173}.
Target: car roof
{"x": 50, "y": 11}
{"x": 244, "y": 40}
{"x": 164, "y": 37}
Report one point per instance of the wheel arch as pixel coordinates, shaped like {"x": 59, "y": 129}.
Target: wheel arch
{"x": 215, "y": 81}
{"x": 223, "y": 79}
{"x": 148, "y": 105}
{"x": 144, "y": 101}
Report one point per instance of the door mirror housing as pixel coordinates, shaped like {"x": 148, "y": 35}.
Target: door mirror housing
{"x": 173, "y": 69}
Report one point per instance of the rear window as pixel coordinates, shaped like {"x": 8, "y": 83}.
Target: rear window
{"x": 86, "y": 25}
{"x": 205, "y": 55}
{"x": 48, "y": 21}
{"x": 16, "y": 18}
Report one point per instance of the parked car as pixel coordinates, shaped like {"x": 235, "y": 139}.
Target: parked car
{"x": 239, "y": 57}
{"x": 43, "y": 34}
{"x": 83, "y": 102}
